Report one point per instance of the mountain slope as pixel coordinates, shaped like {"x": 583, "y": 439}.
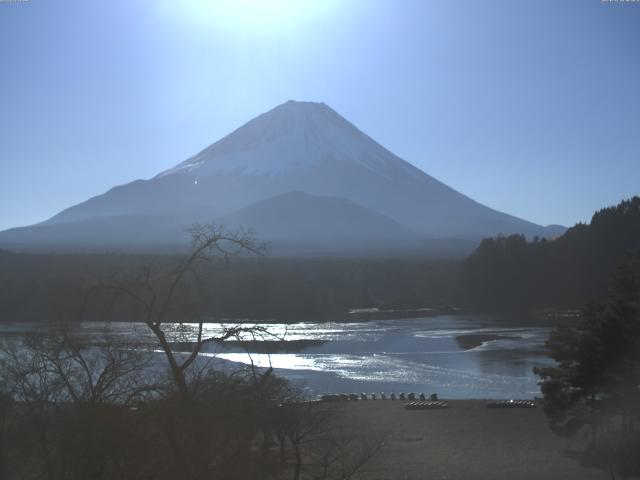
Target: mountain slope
{"x": 297, "y": 146}
{"x": 120, "y": 232}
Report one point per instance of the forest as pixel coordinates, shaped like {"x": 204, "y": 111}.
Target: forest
{"x": 503, "y": 274}
{"x": 37, "y": 287}
{"x": 511, "y": 273}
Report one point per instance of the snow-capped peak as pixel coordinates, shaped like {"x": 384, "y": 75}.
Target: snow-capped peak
{"x": 291, "y": 137}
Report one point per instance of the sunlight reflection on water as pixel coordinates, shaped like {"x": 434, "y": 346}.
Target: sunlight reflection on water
{"x": 413, "y": 354}
{"x": 495, "y": 360}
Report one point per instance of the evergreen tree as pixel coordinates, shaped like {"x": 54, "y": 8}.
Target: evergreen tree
{"x": 596, "y": 379}
{"x": 509, "y": 273}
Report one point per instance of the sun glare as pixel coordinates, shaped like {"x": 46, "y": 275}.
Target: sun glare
{"x": 251, "y": 15}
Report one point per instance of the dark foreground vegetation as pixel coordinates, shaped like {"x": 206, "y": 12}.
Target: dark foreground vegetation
{"x": 101, "y": 410}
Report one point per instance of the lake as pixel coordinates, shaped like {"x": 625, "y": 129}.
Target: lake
{"x": 455, "y": 356}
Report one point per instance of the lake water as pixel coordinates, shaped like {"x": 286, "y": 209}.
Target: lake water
{"x": 456, "y": 356}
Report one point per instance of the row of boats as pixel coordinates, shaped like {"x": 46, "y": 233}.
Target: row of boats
{"x": 494, "y": 404}
{"x": 419, "y": 402}
{"x": 337, "y": 397}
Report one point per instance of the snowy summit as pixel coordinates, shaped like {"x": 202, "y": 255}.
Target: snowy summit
{"x": 291, "y": 137}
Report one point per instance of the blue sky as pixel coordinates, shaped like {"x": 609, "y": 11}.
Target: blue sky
{"x": 530, "y": 107}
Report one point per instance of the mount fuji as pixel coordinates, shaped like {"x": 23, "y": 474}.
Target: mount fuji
{"x": 302, "y": 176}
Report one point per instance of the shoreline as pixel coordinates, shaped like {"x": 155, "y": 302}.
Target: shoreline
{"x": 550, "y": 315}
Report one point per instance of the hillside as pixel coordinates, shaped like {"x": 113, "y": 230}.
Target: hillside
{"x": 511, "y": 272}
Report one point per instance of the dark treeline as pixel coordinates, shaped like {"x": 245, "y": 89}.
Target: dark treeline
{"x": 503, "y": 274}
{"x": 507, "y": 273}
{"x": 39, "y": 287}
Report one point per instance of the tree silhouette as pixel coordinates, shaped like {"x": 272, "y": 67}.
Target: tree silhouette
{"x": 154, "y": 295}
{"x": 596, "y": 380}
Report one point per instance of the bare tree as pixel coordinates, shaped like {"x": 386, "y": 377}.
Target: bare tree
{"x": 88, "y": 409}
{"x": 321, "y": 447}
{"x": 71, "y": 399}
{"x": 156, "y": 295}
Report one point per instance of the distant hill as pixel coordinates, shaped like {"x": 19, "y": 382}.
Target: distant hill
{"x": 511, "y": 273}
{"x": 247, "y": 177}
{"x": 320, "y": 223}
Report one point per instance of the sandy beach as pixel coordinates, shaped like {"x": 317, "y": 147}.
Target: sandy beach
{"x": 466, "y": 441}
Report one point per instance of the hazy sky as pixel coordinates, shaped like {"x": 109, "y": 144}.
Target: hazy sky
{"x": 530, "y": 107}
